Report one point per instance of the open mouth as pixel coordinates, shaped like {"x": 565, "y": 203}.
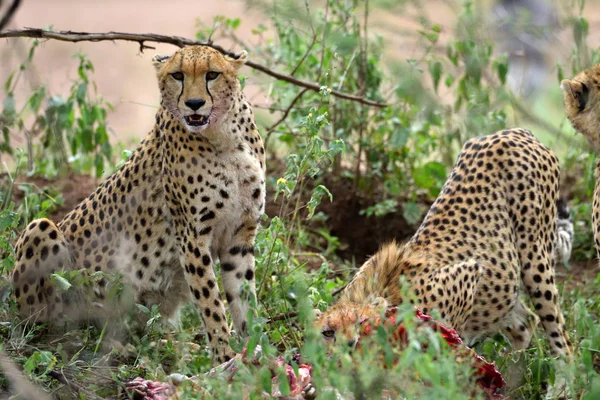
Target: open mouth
{"x": 196, "y": 120}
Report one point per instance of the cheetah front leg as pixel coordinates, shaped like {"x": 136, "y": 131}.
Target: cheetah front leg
{"x": 237, "y": 267}
{"x": 200, "y": 276}
{"x": 521, "y": 326}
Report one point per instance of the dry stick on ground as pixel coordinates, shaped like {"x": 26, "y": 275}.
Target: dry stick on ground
{"x": 70, "y": 36}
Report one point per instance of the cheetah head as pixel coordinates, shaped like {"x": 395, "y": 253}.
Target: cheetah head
{"x": 198, "y": 85}
{"x": 581, "y": 96}
{"x": 341, "y": 322}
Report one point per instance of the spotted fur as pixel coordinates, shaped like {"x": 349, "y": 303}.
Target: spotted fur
{"x": 191, "y": 194}
{"x": 491, "y": 229}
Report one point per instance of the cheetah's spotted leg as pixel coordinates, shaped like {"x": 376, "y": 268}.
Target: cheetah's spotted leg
{"x": 200, "y": 276}
{"x": 451, "y": 290}
{"x": 521, "y": 326}
{"x": 237, "y": 266}
{"x": 536, "y": 239}
{"x": 596, "y": 209}
{"x": 539, "y": 281}
{"x": 41, "y": 251}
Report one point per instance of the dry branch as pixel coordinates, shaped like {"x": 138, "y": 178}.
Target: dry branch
{"x": 12, "y": 9}
{"x": 141, "y": 39}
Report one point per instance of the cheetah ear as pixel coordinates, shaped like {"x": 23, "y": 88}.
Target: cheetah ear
{"x": 237, "y": 60}
{"x": 318, "y": 313}
{"x": 159, "y": 60}
{"x": 380, "y": 303}
{"x": 575, "y": 94}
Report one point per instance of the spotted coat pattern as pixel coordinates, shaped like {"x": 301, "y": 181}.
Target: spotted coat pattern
{"x": 491, "y": 229}
{"x": 191, "y": 194}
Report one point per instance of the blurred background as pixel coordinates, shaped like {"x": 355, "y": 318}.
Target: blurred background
{"x": 535, "y": 33}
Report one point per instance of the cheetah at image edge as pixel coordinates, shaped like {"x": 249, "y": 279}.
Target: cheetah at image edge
{"x": 192, "y": 193}
{"x": 492, "y": 227}
{"x": 582, "y": 105}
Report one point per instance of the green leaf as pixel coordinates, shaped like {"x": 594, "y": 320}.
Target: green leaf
{"x": 581, "y": 29}
{"x": 399, "y": 137}
{"x": 242, "y": 79}
{"x": 501, "y": 67}
{"x": 39, "y": 359}
{"x": 429, "y": 175}
{"x": 143, "y": 308}
{"x": 35, "y": 101}
{"x": 315, "y": 199}
{"x": 61, "y": 283}
{"x": 411, "y": 212}
{"x": 7, "y": 219}
{"x": 9, "y": 105}
{"x": 560, "y": 73}
{"x": 8, "y": 84}
{"x": 266, "y": 380}
{"x": 435, "y": 69}
{"x": 252, "y": 343}
{"x": 284, "y": 385}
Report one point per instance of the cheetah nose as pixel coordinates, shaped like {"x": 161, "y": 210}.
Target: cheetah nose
{"x": 352, "y": 343}
{"x": 195, "y": 104}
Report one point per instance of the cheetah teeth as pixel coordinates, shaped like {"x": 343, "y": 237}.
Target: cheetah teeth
{"x": 196, "y": 120}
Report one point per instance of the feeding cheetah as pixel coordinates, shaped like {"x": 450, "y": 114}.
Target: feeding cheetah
{"x": 492, "y": 227}
{"x": 581, "y": 97}
{"x": 192, "y": 193}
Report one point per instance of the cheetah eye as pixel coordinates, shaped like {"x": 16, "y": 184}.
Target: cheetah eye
{"x": 178, "y": 76}
{"x": 329, "y": 333}
{"x": 212, "y": 75}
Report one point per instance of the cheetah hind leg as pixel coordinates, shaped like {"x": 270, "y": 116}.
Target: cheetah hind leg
{"x": 447, "y": 287}
{"x": 522, "y": 323}
{"x": 41, "y": 251}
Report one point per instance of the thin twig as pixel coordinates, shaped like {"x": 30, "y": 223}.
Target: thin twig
{"x": 284, "y": 316}
{"x": 9, "y": 13}
{"x": 364, "y": 49}
{"x": 338, "y": 290}
{"x": 70, "y": 36}
{"x": 284, "y": 116}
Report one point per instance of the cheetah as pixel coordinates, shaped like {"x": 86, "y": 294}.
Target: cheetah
{"x": 581, "y": 97}
{"x": 192, "y": 193}
{"x": 492, "y": 227}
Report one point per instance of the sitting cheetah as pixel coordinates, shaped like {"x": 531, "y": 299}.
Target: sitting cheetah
{"x": 582, "y": 105}
{"x": 193, "y": 192}
{"x": 492, "y": 227}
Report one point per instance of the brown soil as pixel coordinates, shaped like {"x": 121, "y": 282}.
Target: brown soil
{"x": 74, "y": 189}
{"x": 361, "y": 235}
{"x": 580, "y": 273}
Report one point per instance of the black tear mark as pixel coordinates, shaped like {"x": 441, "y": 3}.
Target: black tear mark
{"x": 182, "y": 82}
{"x": 212, "y": 102}
{"x": 583, "y": 98}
